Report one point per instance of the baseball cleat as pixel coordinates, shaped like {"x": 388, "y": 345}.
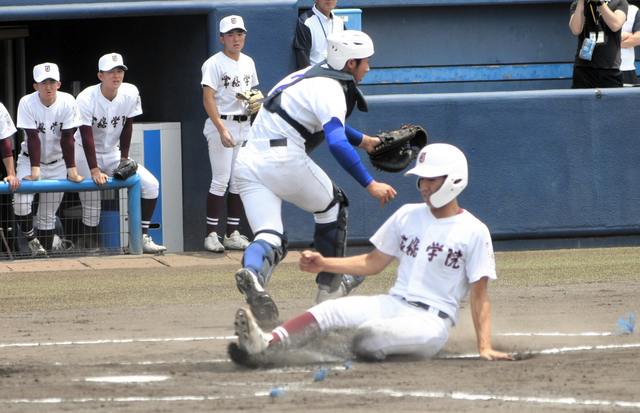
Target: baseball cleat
{"x": 36, "y": 248}
{"x": 150, "y": 247}
{"x": 351, "y": 282}
{"x": 325, "y": 293}
{"x": 260, "y": 302}
{"x": 212, "y": 243}
{"x": 251, "y": 338}
{"x": 235, "y": 241}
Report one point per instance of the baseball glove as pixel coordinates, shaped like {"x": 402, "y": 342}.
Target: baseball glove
{"x": 396, "y": 151}
{"x": 253, "y": 97}
{"x": 125, "y": 169}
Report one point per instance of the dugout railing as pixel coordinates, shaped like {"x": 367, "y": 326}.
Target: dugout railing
{"x": 120, "y": 230}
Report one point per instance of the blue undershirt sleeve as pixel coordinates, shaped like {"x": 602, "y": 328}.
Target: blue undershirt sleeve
{"x": 354, "y": 137}
{"x": 344, "y": 153}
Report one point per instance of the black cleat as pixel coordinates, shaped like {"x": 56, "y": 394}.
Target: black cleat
{"x": 260, "y": 302}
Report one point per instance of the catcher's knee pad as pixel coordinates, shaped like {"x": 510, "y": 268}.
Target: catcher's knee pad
{"x": 262, "y": 257}
{"x": 330, "y": 239}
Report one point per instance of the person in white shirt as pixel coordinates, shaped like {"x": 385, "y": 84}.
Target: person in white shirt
{"x": 227, "y": 128}
{"x": 7, "y": 129}
{"x": 312, "y": 30}
{"x": 107, "y": 111}
{"x": 444, "y": 254}
{"x": 630, "y": 39}
{"x": 49, "y": 119}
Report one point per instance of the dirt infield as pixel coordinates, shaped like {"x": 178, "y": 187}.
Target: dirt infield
{"x": 154, "y": 339}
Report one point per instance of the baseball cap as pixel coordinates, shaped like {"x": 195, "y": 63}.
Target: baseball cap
{"x": 231, "y": 22}
{"x": 45, "y": 71}
{"x": 109, "y": 61}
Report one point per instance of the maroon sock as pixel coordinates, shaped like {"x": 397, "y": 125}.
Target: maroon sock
{"x": 214, "y": 206}
{"x": 234, "y": 211}
{"x": 26, "y": 225}
{"x": 147, "y": 206}
{"x": 298, "y": 331}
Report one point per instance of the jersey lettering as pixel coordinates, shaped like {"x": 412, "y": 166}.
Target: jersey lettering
{"x": 103, "y": 123}
{"x": 40, "y": 127}
{"x": 236, "y": 82}
{"x": 115, "y": 121}
{"x": 433, "y": 250}
{"x": 53, "y": 126}
{"x": 452, "y": 259}
{"x": 247, "y": 80}
{"x": 225, "y": 81}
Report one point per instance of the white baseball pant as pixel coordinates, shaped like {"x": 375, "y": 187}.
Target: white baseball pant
{"x": 49, "y": 202}
{"x": 272, "y": 176}
{"x": 388, "y": 325}
{"x": 107, "y": 162}
{"x": 223, "y": 159}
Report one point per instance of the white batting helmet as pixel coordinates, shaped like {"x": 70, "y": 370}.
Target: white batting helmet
{"x": 442, "y": 159}
{"x": 349, "y": 44}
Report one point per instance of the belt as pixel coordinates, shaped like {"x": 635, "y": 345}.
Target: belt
{"x": 424, "y": 306}
{"x": 278, "y": 142}
{"x": 236, "y": 118}
{"x": 43, "y": 163}
{"x": 272, "y": 142}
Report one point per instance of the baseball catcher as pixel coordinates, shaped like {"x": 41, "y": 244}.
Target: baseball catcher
{"x": 396, "y": 151}
{"x": 253, "y": 97}
{"x": 125, "y": 169}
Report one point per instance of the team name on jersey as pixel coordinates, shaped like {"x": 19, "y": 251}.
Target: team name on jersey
{"x": 103, "y": 124}
{"x": 226, "y": 80}
{"x": 411, "y": 248}
{"x": 42, "y": 129}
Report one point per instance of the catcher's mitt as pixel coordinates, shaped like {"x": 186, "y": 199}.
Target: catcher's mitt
{"x": 125, "y": 169}
{"x": 253, "y": 97}
{"x": 396, "y": 151}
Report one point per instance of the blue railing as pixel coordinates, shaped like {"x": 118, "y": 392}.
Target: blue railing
{"x": 63, "y": 185}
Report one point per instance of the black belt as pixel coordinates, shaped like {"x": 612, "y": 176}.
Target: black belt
{"x": 277, "y": 142}
{"x": 43, "y": 163}
{"x": 237, "y": 118}
{"x": 424, "y": 306}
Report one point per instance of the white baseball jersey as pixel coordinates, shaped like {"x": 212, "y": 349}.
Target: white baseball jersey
{"x": 107, "y": 117}
{"x": 7, "y": 128}
{"x": 312, "y": 102}
{"x": 49, "y": 122}
{"x": 228, "y": 77}
{"x": 439, "y": 258}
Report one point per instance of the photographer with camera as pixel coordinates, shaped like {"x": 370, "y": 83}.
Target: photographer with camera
{"x": 598, "y": 26}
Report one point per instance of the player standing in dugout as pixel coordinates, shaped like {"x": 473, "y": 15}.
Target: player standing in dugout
{"x": 107, "y": 111}
{"x": 224, "y": 75}
{"x": 274, "y": 166}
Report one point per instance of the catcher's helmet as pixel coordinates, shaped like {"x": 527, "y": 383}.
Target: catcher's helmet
{"x": 441, "y": 159}
{"x": 349, "y": 44}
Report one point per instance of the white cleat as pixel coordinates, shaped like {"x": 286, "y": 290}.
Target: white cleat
{"x": 251, "y": 338}
{"x": 212, "y": 243}
{"x": 36, "y": 248}
{"x": 150, "y": 247}
{"x": 235, "y": 241}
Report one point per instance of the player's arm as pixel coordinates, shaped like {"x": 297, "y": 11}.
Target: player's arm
{"x": 359, "y": 139}
{"x": 365, "y": 264}
{"x": 68, "y": 154}
{"x": 348, "y": 158}
{"x": 481, "y": 313}
{"x": 89, "y": 147}
{"x": 210, "y": 106}
{"x": 33, "y": 148}
{"x": 7, "y": 159}
{"x": 576, "y": 23}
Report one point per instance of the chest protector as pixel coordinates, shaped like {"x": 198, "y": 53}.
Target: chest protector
{"x": 352, "y": 94}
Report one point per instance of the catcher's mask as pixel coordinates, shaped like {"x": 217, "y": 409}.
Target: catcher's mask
{"x": 441, "y": 159}
{"x": 349, "y": 44}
